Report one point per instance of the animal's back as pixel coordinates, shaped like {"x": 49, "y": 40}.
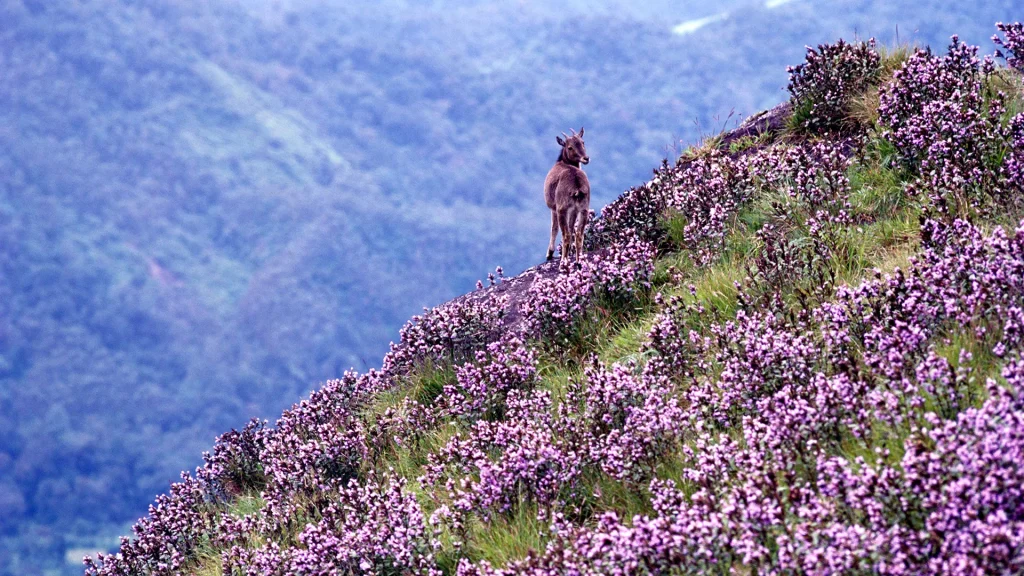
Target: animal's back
{"x": 565, "y": 184}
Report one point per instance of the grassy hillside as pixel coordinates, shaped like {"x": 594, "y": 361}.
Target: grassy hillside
{"x": 208, "y": 209}
{"x": 794, "y": 350}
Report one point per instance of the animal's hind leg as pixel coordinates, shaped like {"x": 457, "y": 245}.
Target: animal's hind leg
{"x": 563, "y": 225}
{"x": 580, "y": 226}
{"x": 554, "y": 234}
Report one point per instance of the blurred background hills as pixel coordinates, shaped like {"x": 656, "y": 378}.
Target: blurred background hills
{"x": 207, "y": 208}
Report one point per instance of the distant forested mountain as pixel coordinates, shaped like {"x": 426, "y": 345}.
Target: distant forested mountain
{"x": 207, "y": 208}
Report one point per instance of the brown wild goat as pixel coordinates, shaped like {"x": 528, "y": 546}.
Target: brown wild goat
{"x": 567, "y": 193}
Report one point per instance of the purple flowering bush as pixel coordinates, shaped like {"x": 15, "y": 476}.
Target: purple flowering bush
{"x": 557, "y": 308}
{"x": 368, "y": 528}
{"x": 801, "y": 246}
{"x": 624, "y": 273}
{"x": 445, "y": 333}
{"x": 780, "y": 492}
{"x": 925, "y": 79}
{"x": 945, "y": 121}
{"x": 498, "y": 466}
{"x": 482, "y": 387}
{"x": 235, "y": 465}
{"x": 406, "y": 425}
{"x": 706, "y": 193}
{"x": 628, "y": 422}
{"x": 637, "y": 212}
{"x": 164, "y": 542}
{"x": 1013, "y": 168}
{"x": 1013, "y": 44}
{"x": 822, "y": 87}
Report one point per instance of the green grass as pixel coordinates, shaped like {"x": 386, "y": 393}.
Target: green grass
{"x": 424, "y": 385}
{"x": 884, "y": 444}
{"x": 747, "y": 142}
{"x": 245, "y": 505}
{"x": 893, "y": 56}
{"x": 1011, "y": 83}
{"x": 707, "y": 145}
{"x": 795, "y": 124}
{"x": 605, "y": 494}
{"x": 502, "y": 539}
{"x": 877, "y": 190}
{"x": 408, "y": 461}
{"x": 555, "y": 377}
{"x": 716, "y": 288}
{"x": 625, "y": 345}
{"x": 429, "y": 382}
{"x": 208, "y": 563}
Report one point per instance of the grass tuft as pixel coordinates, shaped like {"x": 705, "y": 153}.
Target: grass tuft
{"x": 863, "y": 108}
{"x": 502, "y": 540}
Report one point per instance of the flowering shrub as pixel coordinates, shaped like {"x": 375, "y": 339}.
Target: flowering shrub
{"x": 166, "y": 539}
{"x": 317, "y": 445}
{"x": 823, "y": 85}
{"x": 620, "y": 275}
{"x": 638, "y": 212}
{"x": 756, "y": 357}
{"x": 1013, "y": 168}
{"x": 370, "y": 529}
{"x": 923, "y": 79}
{"x": 938, "y": 115}
{"x": 707, "y": 194}
{"x": 405, "y": 425}
{"x": 703, "y": 190}
{"x": 676, "y": 336}
{"x": 1013, "y": 44}
{"x": 813, "y": 180}
{"x": 627, "y": 423}
{"x": 444, "y": 333}
{"x": 555, "y": 307}
{"x": 960, "y": 479}
{"x": 235, "y": 464}
{"x": 813, "y": 175}
{"x": 773, "y": 495}
{"x": 482, "y": 387}
{"x": 498, "y": 466}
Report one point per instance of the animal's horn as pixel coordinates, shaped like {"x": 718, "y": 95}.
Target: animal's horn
{"x": 565, "y": 136}
{"x": 573, "y": 131}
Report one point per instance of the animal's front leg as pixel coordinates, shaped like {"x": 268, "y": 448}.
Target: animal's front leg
{"x": 554, "y": 234}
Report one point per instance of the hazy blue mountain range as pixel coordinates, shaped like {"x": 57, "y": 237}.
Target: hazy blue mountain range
{"x": 208, "y": 208}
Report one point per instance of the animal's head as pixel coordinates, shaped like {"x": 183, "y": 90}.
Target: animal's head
{"x": 573, "y": 149}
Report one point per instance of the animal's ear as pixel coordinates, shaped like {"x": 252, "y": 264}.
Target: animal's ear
{"x": 581, "y": 132}
{"x": 559, "y": 140}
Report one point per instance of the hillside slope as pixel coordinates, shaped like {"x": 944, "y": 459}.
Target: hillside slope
{"x": 796, "y": 350}
{"x": 206, "y": 208}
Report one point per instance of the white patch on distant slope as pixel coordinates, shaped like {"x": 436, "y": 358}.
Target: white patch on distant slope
{"x": 691, "y": 26}
{"x": 775, "y": 3}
